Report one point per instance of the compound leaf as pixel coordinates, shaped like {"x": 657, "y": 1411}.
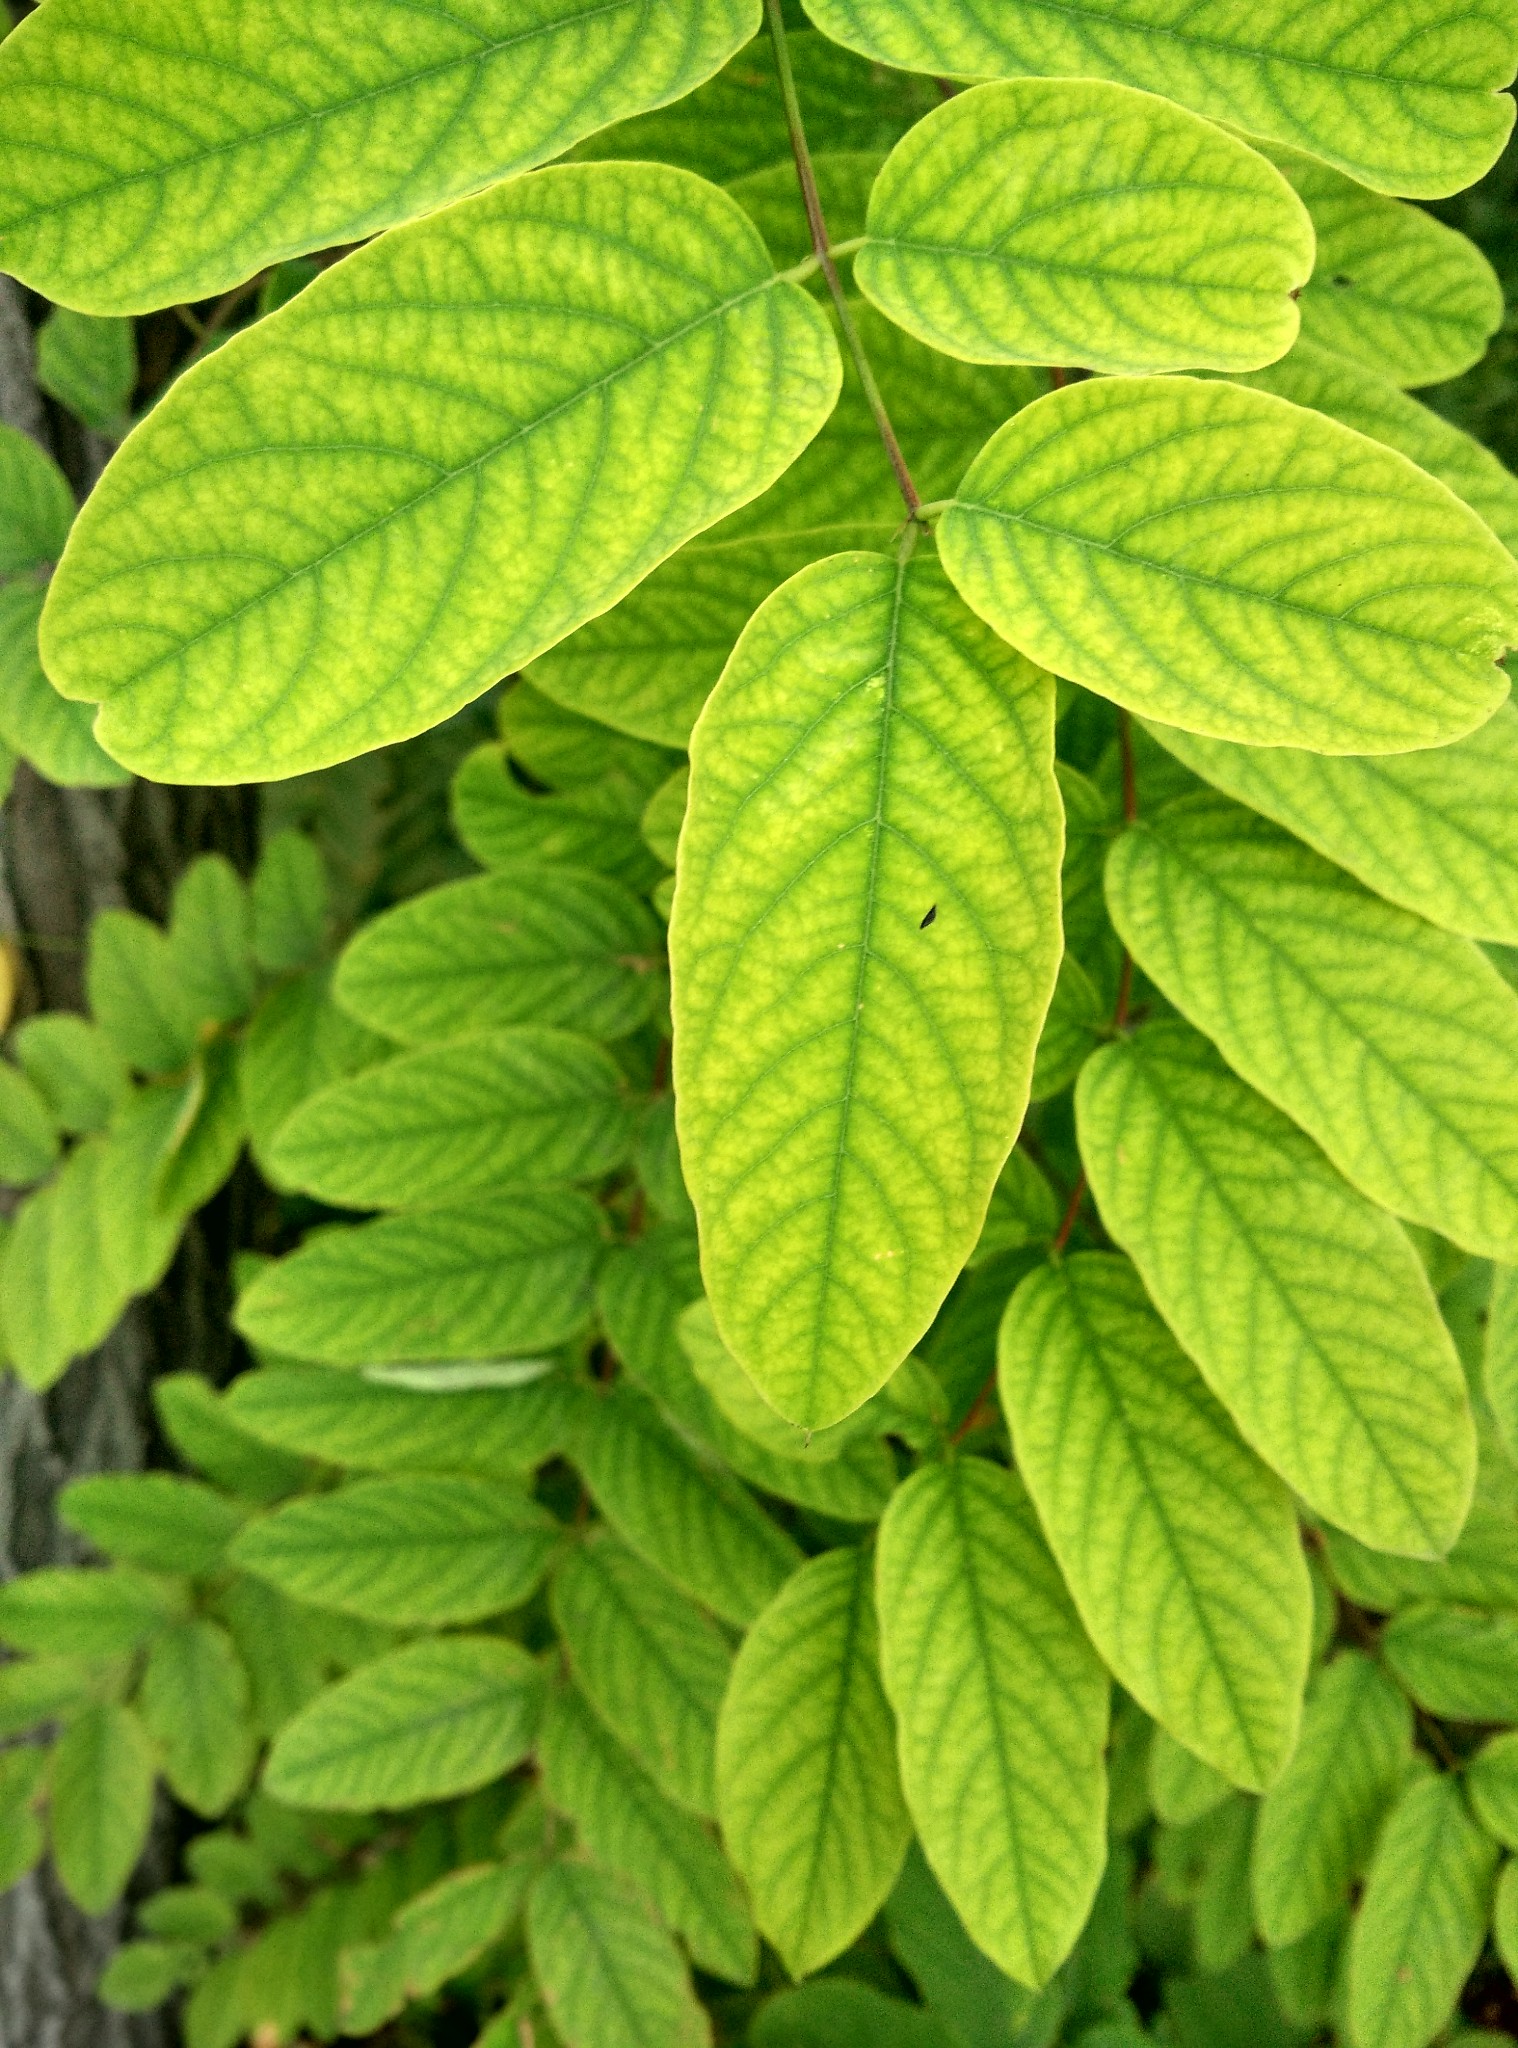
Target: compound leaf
{"x": 864, "y": 941}
{"x": 1073, "y": 221}
{"x": 425, "y": 1722}
{"x": 1001, "y": 1712}
{"x": 508, "y": 1278}
{"x": 1406, "y": 101}
{"x": 1306, "y": 1309}
{"x": 1180, "y": 1549}
{"x": 450, "y": 1121}
{"x": 610, "y": 1975}
{"x": 1421, "y": 1920}
{"x": 1318, "y": 1822}
{"x": 406, "y": 1550}
{"x": 1394, "y": 1044}
{"x": 1214, "y": 556}
{"x": 607, "y": 343}
{"x": 164, "y": 165}
{"x": 807, "y": 1791}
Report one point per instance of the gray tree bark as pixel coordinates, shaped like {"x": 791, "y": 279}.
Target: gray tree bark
{"x": 64, "y": 855}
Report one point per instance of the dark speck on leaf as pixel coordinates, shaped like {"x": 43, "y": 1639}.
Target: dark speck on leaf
{"x": 932, "y": 913}
{"x": 1343, "y": 282}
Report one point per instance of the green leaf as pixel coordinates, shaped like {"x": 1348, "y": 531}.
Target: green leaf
{"x": 1180, "y": 1549}
{"x": 1406, "y": 102}
{"x": 88, "y": 365}
{"x": 155, "y": 1519}
{"x": 1505, "y": 1924}
{"x": 1422, "y": 1918}
{"x": 652, "y": 1665}
{"x": 137, "y": 994}
{"x": 208, "y": 1134}
{"x": 144, "y": 1974}
{"x": 211, "y": 939}
{"x": 1480, "y": 1571}
{"x": 628, "y": 1825}
{"x": 1064, "y": 221}
{"x": 1212, "y": 589}
{"x": 28, "y": 1136}
{"x": 1318, "y": 1822}
{"x": 501, "y": 1280}
{"x": 437, "y": 1935}
{"x": 807, "y": 1791}
{"x": 1458, "y": 1662}
{"x": 196, "y": 1701}
{"x": 405, "y": 1550}
{"x": 55, "y": 736}
{"x": 1182, "y": 1787}
{"x": 426, "y": 1722}
{"x": 75, "y": 1068}
{"x": 1373, "y": 405}
{"x": 1433, "y": 831}
{"x": 959, "y": 1983}
{"x": 1223, "y": 1927}
{"x": 100, "y": 1784}
{"x": 1392, "y": 288}
{"x": 610, "y": 1975}
{"x": 873, "y": 828}
{"x": 1499, "y": 1371}
{"x": 741, "y": 1402}
{"x": 1491, "y": 1780}
{"x": 650, "y": 663}
{"x": 771, "y": 198}
{"x": 36, "y": 504}
{"x": 841, "y": 2012}
{"x": 1391, "y": 1043}
{"x": 38, "y": 1689}
{"x": 530, "y": 946}
{"x": 664, "y": 814}
{"x": 679, "y": 1510}
{"x": 532, "y": 1104}
{"x": 1001, "y": 1712}
{"x": 83, "y": 1613}
{"x": 502, "y": 823}
{"x": 297, "y": 1042}
{"x": 291, "y": 902}
{"x": 564, "y": 314}
{"x": 187, "y": 1913}
{"x": 196, "y": 1420}
{"x": 1305, "y": 1308}
{"x": 236, "y": 140}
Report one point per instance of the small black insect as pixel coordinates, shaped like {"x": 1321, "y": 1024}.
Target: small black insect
{"x": 932, "y": 913}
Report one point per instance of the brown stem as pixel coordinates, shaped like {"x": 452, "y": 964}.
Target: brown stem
{"x": 1072, "y": 1211}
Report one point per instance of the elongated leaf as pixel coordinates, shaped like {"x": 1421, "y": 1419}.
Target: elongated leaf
{"x": 196, "y": 1420}
{"x": 1480, "y": 1571}
{"x": 1182, "y": 1788}
{"x": 100, "y": 1784}
{"x": 1422, "y": 1919}
{"x": 1404, "y": 101}
{"x": 1458, "y": 1662}
{"x": 196, "y": 1701}
{"x": 512, "y": 1277}
{"x": 88, "y": 365}
{"x": 425, "y": 1722}
{"x": 807, "y": 1791}
{"x": 1180, "y": 1549}
{"x": 54, "y": 735}
{"x": 237, "y": 136}
{"x": 156, "y": 1519}
{"x": 1492, "y": 1784}
{"x": 1392, "y": 288}
{"x": 626, "y": 1823}
{"x": 531, "y": 946}
{"x": 369, "y": 1426}
{"x": 1217, "y": 589}
{"x": 1074, "y": 221}
{"x": 456, "y": 1120}
{"x": 650, "y": 1662}
{"x": 1318, "y": 1822}
{"x": 1373, "y": 405}
{"x": 680, "y": 1511}
{"x": 405, "y": 1550}
{"x": 502, "y": 823}
{"x": 298, "y": 1041}
{"x": 1001, "y": 1711}
{"x": 83, "y": 1613}
{"x": 610, "y": 1975}
{"x": 1433, "y": 831}
{"x": 1499, "y": 1374}
{"x": 29, "y": 1142}
{"x": 74, "y": 1067}
{"x": 907, "y": 904}
{"x": 615, "y": 347}
{"x": 1391, "y": 1043}
{"x": 1306, "y": 1309}
{"x": 648, "y": 665}
{"x": 435, "y": 1936}
{"x": 36, "y": 504}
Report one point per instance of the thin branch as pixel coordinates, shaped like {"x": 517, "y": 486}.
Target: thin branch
{"x": 1068, "y": 1220}
{"x": 822, "y": 248}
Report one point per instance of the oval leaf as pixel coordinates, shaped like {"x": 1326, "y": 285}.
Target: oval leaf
{"x": 1180, "y": 546}
{"x": 1001, "y": 1712}
{"x": 426, "y": 1722}
{"x": 867, "y": 916}
{"x": 807, "y": 1792}
{"x": 1306, "y": 1309}
{"x": 1405, "y": 100}
{"x": 1180, "y": 1548}
{"x": 238, "y": 134}
{"x": 605, "y": 342}
{"x": 1060, "y": 221}
{"x": 610, "y": 1975}
{"x": 1391, "y": 1043}
{"x": 100, "y": 1787}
